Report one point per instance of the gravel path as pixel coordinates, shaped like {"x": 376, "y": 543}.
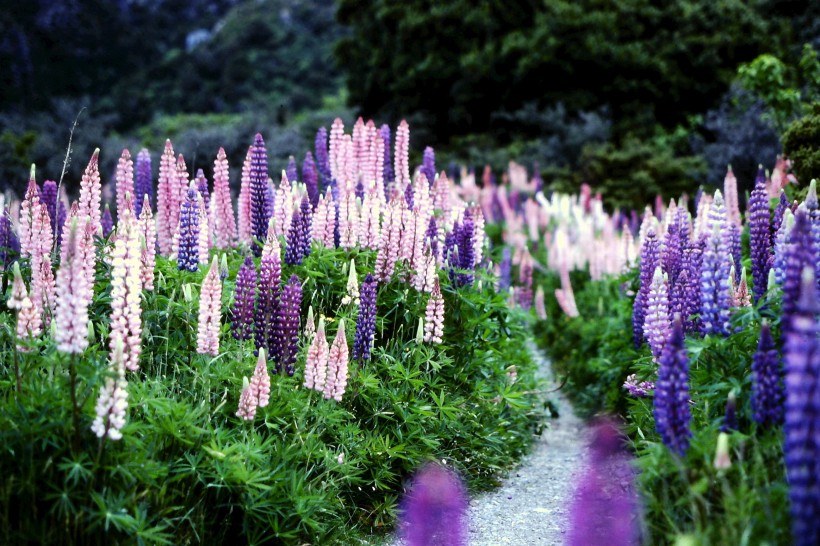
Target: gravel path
{"x": 532, "y": 505}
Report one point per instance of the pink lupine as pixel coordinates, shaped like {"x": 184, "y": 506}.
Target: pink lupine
{"x": 204, "y": 235}
{"x": 565, "y": 295}
{"x": 369, "y": 229}
{"x": 401, "y": 157}
{"x": 125, "y": 179}
{"x": 182, "y": 186}
{"x": 337, "y": 131}
{"x": 540, "y": 307}
{"x": 248, "y": 400}
{"x": 29, "y": 319}
{"x": 73, "y": 295}
{"x": 126, "y": 291}
{"x": 223, "y": 224}
{"x": 441, "y": 194}
{"x": 112, "y": 403}
{"x": 244, "y": 205}
{"x": 210, "y": 312}
{"x": 741, "y": 297}
{"x": 434, "y": 315}
{"x": 168, "y": 200}
{"x": 260, "y": 382}
{"x": 18, "y": 289}
{"x": 317, "y": 359}
{"x": 91, "y": 192}
{"x": 424, "y": 276}
{"x": 384, "y": 262}
{"x": 348, "y": 222}
{"x": 42, "y": 277}
{"x": 29, "y": 209}
{"x": 148, "y": 243}
{"x": 283, "y": 209}
{"x": 730, "y": 196}
{"x": 336, "y": 381}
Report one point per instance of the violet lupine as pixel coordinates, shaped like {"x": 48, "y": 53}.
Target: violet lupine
{"x": 638, "y": 389}
{"x": 126, "y": 291}
{"x": 223, "y": 223}
{"x": 91, "y": 191}
{"x": 672, "y": 414}
{"x": 505, "y": 271}
{"x": 258, "y": 195}
{"x": 9, "y": 244}
{"x": 715, "y": 295}
{"x": 366, "y": 323}
{"x": 649, "y": 261}
{"x": 605, "y": 509}
{"x": 760, "y": 237}
{"x": 322, "y": 160}
{"x": 60, "y": 223}
{"x": 293, "y": 242}
{"x": 143, "y": 182}
{"x": 779, "y": 214}
{"x": 210, "y": 312}
{"x": 311, "y": 179}
{"x": 428, "y": 166}
{"x": 813, "y": 211}
{"x": 656, "y": 324}
{"x": 286, "y": 332}
{"x": 317, "y": 359}
{"x": 434, "y": 315}
{"x": 73, "y": 296}
{"x": 767, "y": 380}
{"x": 337, "y": 363}
{"x": 306, "y": 227}
{"x": 671, "y": 254}
{"x": 293, "y": 173}
{"x": 125, "y": 180}
{"x": 188, "y": 233}
{"x": 112, "y": 403}
{"x": 434, "y": 511}
{"x": 106, "y": 222}
{"x": 48, "y": 197}
{"x": 466, "y": 253}
{"x": 384, "y": 134}
{"x": 202, "y": 187}
{"x": 799, "y": 254}
{"x": 148, "y": 244}
{"x": 244, "y": 299}
{"x": 168, "y": 200}
{"x": 801, "y": 446}
{"x": 267, "y": 296}
{"x": 524, "y": 291}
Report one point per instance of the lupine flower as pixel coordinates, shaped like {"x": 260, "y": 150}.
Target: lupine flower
{"x": 317, "y": 359}
{"x": 293, "y": 174}
{"x": 722, "y": 459}
{"x": 188, "y": 251}
{"x": 73, "y": 297}
{"x": 605, "y": 508}
{"x": 732, "y": 235}
{"x": 310, "y": 324}
{"x": 779, "y": 214}
{"x": 267, "y": 303}
{"x": 715, "y": 295}
{"x": 767, "y": 384}
{"x": 210, "y": 312}
{"x": 168, "y": 200}
{"x": 781, "y": 243}
{"x": 284, "y": 206}
{"x": 112, "y": 403}
{"x": 524, "y": 292}
{"x": 402, "y": 164}
{"x": 322, "y": 160}
{"x": 248, "y": 400}
{"x": 434, "y": 315}
{"x": 182, "y": 186}
{"x": 48, "y": 197}
{"x": 29, "y": 210}
{"x": 91, "y": 191}
{"x": 258, "y": 200}
{"x": 143, "y": 184}
{"x": 18, "y": 290}
{"x": 730, "y": 193}
{"x": 366, "y": 323}
{"x": 336, "y": 380}
{"x": 223, "y": 224}
{"x": 730, "y": 414}
{"x": 9, "y": 245}
{"x": 760, "y": 238}
{"x": 638, "y": 389}
{"x": 741, "y": 297}
{"x": 672, "y": 415}
{"x": 649, "y": 261}
{"x": 802, "y": 420}
{"x": 148, "y": 244}
{"x": 540, "y": 306}
{"x": 799, "y": 254}
{"x": 126, "y": 292}
{"x": 429, "y": 165}
{"x": 125, "y": 180}
{"x": 294, "y": 247}
{"x": 352, "y": 287}
{"x": 384, "y": 134}
{"x": 107, "y": 222}
{"x": 286, "y": 334}
{"x": 310, "y": 178}
{"x": 244, "y": 204}
{"x": 505, "y": 270}
{"x": 656, "y": 325}
{"x": 671, "y": 256}
{"x": 244, "y": 297}
{"x": 813, "y": 210}
{"x": 434, "y": 511}
{"x": 260, "y": 382}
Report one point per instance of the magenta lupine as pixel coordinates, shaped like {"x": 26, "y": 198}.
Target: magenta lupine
{"x": 317, "y": 359}
{"x": 649, "y": 261}
{"x": 672, "y": 414}
{"x": 337, "y": 365}
{"x": 258, "y": 196}
{"x": 741, "y": 296}
{"x": 244, "y": 204}
{"x": 112, "y": 402}
{"x": 605, "y": 509}
{"x": 168, "y": 200}
{"x": 43, "y": 286}
{"x": 73, "y": 296}
{"x": 29, "y": 318}
{"x": 801, "y": 446}
{"x": 286, "y": 330}
{"x": 369, "y": 227}
{"x": 434, "y": 315}
{"x": 125, "y": 179}
{"x": 91, "y": 192}
{"x": 799, "y": 254}
{"x": 210, "y": 312}
{"x": 366, "y": 323}
{"x": 188, "y": 233}
{"x": 760, "y": 237}
{"x": 267, "y": 297}
{"x": 434, "y": 510}
{"x": 143, "y": 183}
{"x": 656, "y": 324}
{"x": 337, "y": 130}
{"x": 767, "y": 380}
{"x": 223, "y": 223}
{"x": 244, "y": 298}
{"x": 106, "y": 222}
{"x": 283, "y": 210}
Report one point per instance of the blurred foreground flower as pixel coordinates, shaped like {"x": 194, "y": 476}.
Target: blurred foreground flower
{"x": 434, "y": 511}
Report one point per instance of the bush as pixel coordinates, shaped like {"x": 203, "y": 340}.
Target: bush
{"x": 801, "y": 144}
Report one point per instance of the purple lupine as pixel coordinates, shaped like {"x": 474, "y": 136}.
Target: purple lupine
{"x": 693, "y": 258}
{"x": 322, "y": 159}
{"x": 730, "y": 414}
{"x": 48, "y": 197}
{"x": 106, "y": 222}
{"x": 605, "y": 506}
{"x": 202, "y": 188}
{"x": 143, "y": 184}
{"x": 801, "y": 446}
{"x": 715, "y": 296}
{"x": 291, "y": 170}
{"x": 384, "y": 133}
{"x": 505, "y": 270}
{"x": 306, "y": 226}
{"x": 188, "y": 253}
{"x": 799, "y": 254}
{"x": 464, "y": 240}
{"x": 61, "y": 216}
{"x": 813, "y": 210}
{"x": 366, "y": 323}
{"x": 671, "y": 254}
{"x": 432, "y": 235}
{"x": 732, "y": 235}
{"x": 310, "y": 178}
{"x": 9, "y": 244}
{"x": 244, "y": 299}
{"x": 638, "y": 389}
{"x": 760, "y": 236}
{"x": 672, "y": 415}
{"x": 294, "y": 247}
{"x": 649, "y": 261}
{"x": 434, "y": 511}
{"x": 779, "y": 214}
{"x": 428, "y": 165}
{"x": 767, "y": 381}
{"x": 286, "y": 333}
{"x": 260, "y": 210}
{"x": 409, "y": 195}
{"x": 267, "y": 302}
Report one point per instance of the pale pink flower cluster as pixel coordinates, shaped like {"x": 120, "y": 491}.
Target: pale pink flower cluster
{"x": 283, "y": 208}
{"x": 223, "y": 224}
{"x": 91, "y": 193}
{"x": 244, "y": 204}
{"x": 204, "y": 236}
{"x": 43, "y": 286}
{"x": 324, "y": 221}
{"x": 210, "y": 312}
{"x": 29, "y": 210}
{"x": 401, "y": 158}
{"x": 112, "y": 403}
{"x": 74, "y": 293}
{"x": 565, "y": 295}
{"x": 256, "y": 392}
{"x": 126, "y": 290}
{"x": 540, "y": 306}
{"x": 317, "y": 360}
{"x": 29, "y": 324}
{"x": 336, "y": 379}
{"x": 434, "y": 315}
{"x": 148, "y": 245}
{"x": 169, "y": 200}
{"x": 125, "y": 179}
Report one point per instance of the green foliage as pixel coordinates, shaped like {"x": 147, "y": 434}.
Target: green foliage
{"x": 307, "y": 469}
{"x": 801, "y": 144}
